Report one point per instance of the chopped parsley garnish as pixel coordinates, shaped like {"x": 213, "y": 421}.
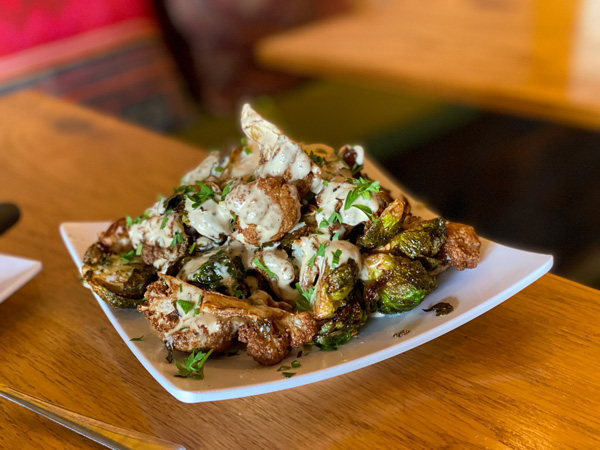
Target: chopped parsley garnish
{"x": 366, "y": 210}
{"x": 355, "y": 169}
{"x": 186, "y": 305}
{"x": 138, "y": 250}
{"x": 247, "y": 150}
{"x": 128, "y": 257}
{"x": 264, "y": 268}
{"x": 244, "y": 141}
{"x": 325, "y": 182}
{"x": 336, "y": 257}
{"x": 219, "y": 169}
{"x": 318, "y": 160}
{"x": 288, "y": 374}
{"x": 363, "y": 189}
{"x": 226, "y": 190}
{"x": 323, "y": 224}
{"x": 321, "y": 250}
{"x": 180, "y": 287}
{"x": 296, "y": 364}
{"x": 193, "y": 365}
{"x": 234, "y": 218}
{"x": 311, "y": 261}
{"x": 177, "y": 239}
{"x": 165, "y": 218}
{"x": 281, "y": 368}
{"x": 335, "y": 216}
{"x": 205, "y": 194}
{"x": 336, "y": 236}
{"x": 303, "y": 303}
{"x": 192, "y": 248}
{"x": 137, "y": 338}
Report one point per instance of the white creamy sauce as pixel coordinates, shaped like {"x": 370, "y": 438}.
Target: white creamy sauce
{"x": 303, "y": 251}
{"x": 253, "y": 206}
{"x": 276, "y": 261}
{"x": 194, "y": 318}
{"x": 246, "y": 163}
{"x": 346, "y": 251}
{"x": 203, "y": 170}
{"x": 210, "y": 219}
{"x": 150, "y": 231}
{"x": 281, "y": 156}
{"x": 333, "y": 197}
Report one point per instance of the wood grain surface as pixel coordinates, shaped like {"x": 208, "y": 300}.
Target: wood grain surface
{"x": 529, "y": 57}
{"x": 524, "y": 375}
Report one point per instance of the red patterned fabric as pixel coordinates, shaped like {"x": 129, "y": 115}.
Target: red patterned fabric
{"x": 28, "y": 23}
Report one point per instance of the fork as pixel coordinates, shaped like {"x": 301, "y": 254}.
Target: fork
{"x": 104, "y": 433}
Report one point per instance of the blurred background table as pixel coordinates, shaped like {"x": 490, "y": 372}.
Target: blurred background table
{"x": 523, "y": 375}
{"x": 525, "y": 169}
{"x": 532, "y": 58}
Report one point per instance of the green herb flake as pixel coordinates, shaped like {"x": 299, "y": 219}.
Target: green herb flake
{"x": 180, "y": 287}
{"x": 177, "y": 239}
{"x": 193, "y": 365}
{"x": 186, "y": 305}
{"x": 264, "y": 268}
{"x": 247, "y": 151}
{"x": 244, "y": 141}
{"x": 165, "y": 218}
{"x": 296, "y": 364}
{"x": 336, "y": 257}
{"x": 281, "y": 368}
{"x": 321, "y": 250}
{"x": 141, "y": 338}
{"x": 325, "y": 182}
{"x": 335, "y": 216}
{"x": 128, "y": 221}
{"x": 226, "y": 190}
{"x": 138, "y": 250}
{"x": 366, "y": 210}
{"x": 192, "y": 248}
{"x": 288, "y": 374}
{"x": 336, "y": 236}
{"x": 303, "y": 302}
{"x": 219, "y": 169}
{"x": 127, "y": 257}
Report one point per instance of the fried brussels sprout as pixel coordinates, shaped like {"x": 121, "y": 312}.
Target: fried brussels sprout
{"x": 222, "y": 273}
{"x": 333, "y": 288}
{"x": 119, "y": 280}
{"x": 383, "y": 229}
{"x": 422, "y": 239}
{"x": 395, "y": 284}
{"x": 341, "y": 327}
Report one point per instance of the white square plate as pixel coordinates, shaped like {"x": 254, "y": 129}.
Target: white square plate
{"x": 14, "y": 273}
{"x": 502, "y": 272}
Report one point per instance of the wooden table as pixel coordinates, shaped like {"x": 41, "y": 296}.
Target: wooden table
{"x": 528, "y": 57}
{"x": 524, "y": 375}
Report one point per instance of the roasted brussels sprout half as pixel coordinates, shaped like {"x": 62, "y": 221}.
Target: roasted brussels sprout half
{"x": 383, "y": 229}
{"x": 341, "y": 327}
{"x": 333, "y": 288}
{"x": 119, "y": 280}
{"x": 222, "y": 273}
{"x": 423, "y": 238}
{"x": 395, "y": 284}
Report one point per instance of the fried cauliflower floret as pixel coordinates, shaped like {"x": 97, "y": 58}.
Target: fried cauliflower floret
{"x": 189, "y": 317}
{"x": 265, "y": 209}
{"x": 116, "y": 238}
{"x": 279, "y": 155}
{"x": 462, "y": 247}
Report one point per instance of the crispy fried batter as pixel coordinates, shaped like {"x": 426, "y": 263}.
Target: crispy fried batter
{"x": 462, "y": 247}
{"x": 116, "y": 238}
{"x": 266, "y": 219}
{"x": 269, "y": 332}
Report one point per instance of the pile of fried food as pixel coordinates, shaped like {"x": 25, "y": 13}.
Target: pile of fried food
{"x": 276, "y": 245}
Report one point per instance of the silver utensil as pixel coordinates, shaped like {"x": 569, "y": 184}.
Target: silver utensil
{"x": 109, "y": 435}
